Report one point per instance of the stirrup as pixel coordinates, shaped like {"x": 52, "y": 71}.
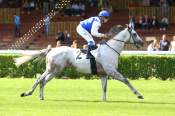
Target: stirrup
{"x": 94, "y": 47}
{"x": 89, "y": 56}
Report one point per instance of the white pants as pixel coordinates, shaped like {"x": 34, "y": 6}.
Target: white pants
{"x": 85, "y": 34}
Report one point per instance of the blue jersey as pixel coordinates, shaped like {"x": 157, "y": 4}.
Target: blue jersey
{"x": 87, "y": 24}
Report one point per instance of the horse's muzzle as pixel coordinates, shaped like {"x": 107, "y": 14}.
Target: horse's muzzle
{"x": 139, "y": 44}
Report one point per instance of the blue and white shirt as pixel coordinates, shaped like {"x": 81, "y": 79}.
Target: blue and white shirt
{"x": 92, "y": 25}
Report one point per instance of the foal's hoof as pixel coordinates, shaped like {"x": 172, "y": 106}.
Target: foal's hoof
{"x": 22, "y": 95}
{"x": 140, "y": 97}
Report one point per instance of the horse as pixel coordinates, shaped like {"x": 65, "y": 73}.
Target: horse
{"x": 106, "y": 55}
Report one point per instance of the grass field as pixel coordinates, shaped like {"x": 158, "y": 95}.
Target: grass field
{"x": 83, "y": 98}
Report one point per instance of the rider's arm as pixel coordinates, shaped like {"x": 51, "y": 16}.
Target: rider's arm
{"x": 95, "y": 27}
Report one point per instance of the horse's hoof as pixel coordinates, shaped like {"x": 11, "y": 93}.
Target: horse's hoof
{"x": 42, "y": 99}
{"x": 22, "y": 95}
{"x": 140, "y": 97}
{"x": 104, "y": 99}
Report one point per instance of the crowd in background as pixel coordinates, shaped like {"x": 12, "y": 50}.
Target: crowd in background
{"x": 152, "y": 2}
{"x": 73, "y": 7}
{"x": 78, "y": 8}
{"x": 65, "y": 38}
{"x": 146, "y": 22}
{"x": 163, "y": 45}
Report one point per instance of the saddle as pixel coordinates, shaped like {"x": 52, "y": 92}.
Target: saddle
{"x": 84, "y": 51}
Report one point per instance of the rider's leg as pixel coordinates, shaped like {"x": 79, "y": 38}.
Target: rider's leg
{"x": 91, "y": 46}
{"x": 88, "y": 37}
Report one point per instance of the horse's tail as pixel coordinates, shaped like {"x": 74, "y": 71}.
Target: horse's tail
{"x": 27, "y": 57}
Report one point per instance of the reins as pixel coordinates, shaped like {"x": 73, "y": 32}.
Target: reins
{"x": 131, "y": 36}
{"x": 113, "y": 48}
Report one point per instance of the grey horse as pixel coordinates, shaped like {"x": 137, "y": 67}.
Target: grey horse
{"x": 106, "y": 56}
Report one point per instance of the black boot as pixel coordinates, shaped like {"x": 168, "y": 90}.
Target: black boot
{"x": 89, "y": 55}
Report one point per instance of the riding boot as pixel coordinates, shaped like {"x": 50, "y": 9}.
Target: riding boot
{"x": 89, "y": 55}
{"x": 93, "y": 47}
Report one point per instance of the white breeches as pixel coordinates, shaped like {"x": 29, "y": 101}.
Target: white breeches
{"x": 85, "y": 34}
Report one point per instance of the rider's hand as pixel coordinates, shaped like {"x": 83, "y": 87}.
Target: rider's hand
{"x": 107, "y": 35}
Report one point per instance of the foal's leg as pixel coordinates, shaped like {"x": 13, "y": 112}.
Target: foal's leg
{"x": 104, "y": 86}
{"x": 35, "y": 84}
{"x": 118, "y": 76}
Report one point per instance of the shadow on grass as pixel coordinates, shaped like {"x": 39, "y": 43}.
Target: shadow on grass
{"x": 96, "y": 101}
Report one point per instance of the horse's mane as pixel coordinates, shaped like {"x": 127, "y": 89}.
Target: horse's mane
{"x": 115, "y": 30}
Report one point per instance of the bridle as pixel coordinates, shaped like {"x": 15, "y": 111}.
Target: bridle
{"x": 131, "y": 37}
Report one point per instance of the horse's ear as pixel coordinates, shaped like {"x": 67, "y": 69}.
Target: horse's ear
{"x": 119, "y": 26}
{"x": 126, "y": 25}
{"x": 129, "y": 27}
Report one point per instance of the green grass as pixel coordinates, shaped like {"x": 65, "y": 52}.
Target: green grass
{"x": 83, "y": 98}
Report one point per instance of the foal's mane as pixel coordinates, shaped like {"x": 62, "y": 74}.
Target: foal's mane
{"x": 115, "y": 30}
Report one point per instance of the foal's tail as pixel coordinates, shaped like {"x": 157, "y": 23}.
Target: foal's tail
{"x": 27, "y": 57}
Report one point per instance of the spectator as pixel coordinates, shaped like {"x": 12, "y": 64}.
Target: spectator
{"x": 67, "y": 38}
{"x": 45, "y": 6}
{"x": 173, "y": 44}
{"x": 58, "y": 44}
{"x": 154, "y": 2}
{"x": 38, "y": 4}
{"x": 164, "y": 43}
{"x": 26, "y": 6}
{"x": 85, "y": 47}
{"x": 140, "y": 22}
{"x": 32, "y": 5}
{"x": 1, "y": 1}
{"x": 17, "y": 24}
{"x": 46, "y": 25}
{"x": 104, "y": 4}
{"x": 82, "y": 9}
{"x": 153, "y": 46}
{"x": 164, "y": 8}
{"x": 154, "y": 22}
{"x": 75, "y": 9}
{"x": 68, "y": 10}
{"x": 60, "y": 37}
{"x": 52, "y": 4}
{"x": 170, "y": 2}
{"x": 74, "y": 44}
{"x": 145, "y": 2}
{"x": 164, "y": 23}
{"x": 93, "y": 3}
{"x": 146, "y": 22}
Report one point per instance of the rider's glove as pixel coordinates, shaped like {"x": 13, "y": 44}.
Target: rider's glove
{"x": 107, "y": 35}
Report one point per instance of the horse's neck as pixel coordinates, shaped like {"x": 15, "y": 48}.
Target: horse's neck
{"x": 116, "y": 45}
